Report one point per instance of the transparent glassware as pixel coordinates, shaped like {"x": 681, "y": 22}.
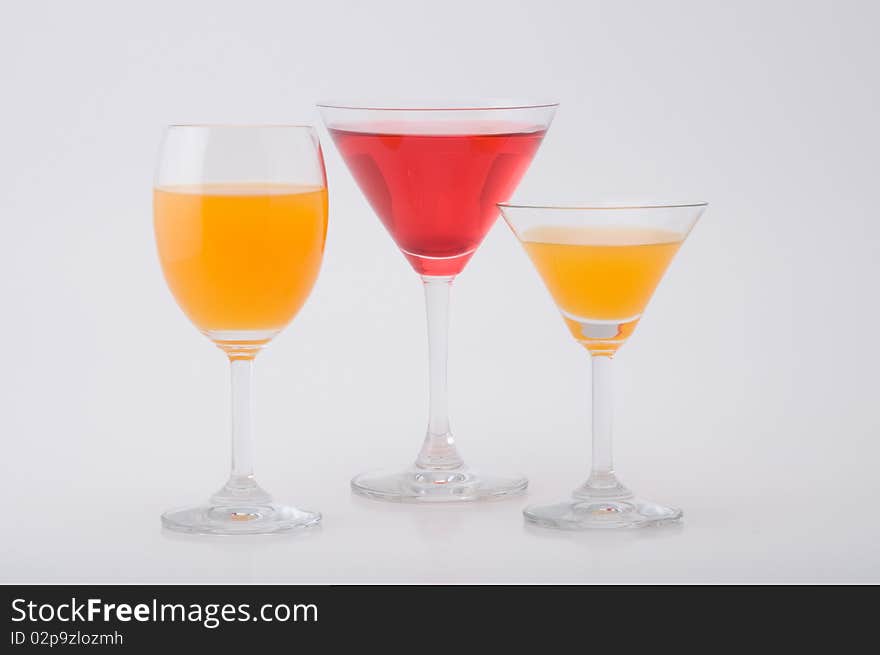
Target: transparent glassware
{"x": 601, "y": 263}
{"x": 433, "y": 174}
{"x": 240, "y": 218}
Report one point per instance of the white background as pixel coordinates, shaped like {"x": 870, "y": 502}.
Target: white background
{"x": 748, "y": 395}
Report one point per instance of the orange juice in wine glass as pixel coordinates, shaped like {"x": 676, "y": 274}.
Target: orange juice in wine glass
{"x": 240, "y": 259}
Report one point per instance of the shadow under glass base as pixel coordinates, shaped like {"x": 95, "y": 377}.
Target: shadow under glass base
{"x": 586, "y": 513}
{"x": 239, "y": 508}
{"x": 436, "y": 486}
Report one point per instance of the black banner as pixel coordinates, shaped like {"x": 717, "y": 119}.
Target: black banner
{"x": 155, "y": 617}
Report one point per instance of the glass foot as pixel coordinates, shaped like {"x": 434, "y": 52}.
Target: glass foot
{"x": 589, "y": 513}
{"x": 251, "y": 518}
{"x": 436, "y": 486}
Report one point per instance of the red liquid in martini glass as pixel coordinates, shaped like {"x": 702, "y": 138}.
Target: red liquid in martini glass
{"x": 435, "y": 186}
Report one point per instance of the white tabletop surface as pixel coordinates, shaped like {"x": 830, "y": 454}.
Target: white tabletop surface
{"x": 748, "y": 395}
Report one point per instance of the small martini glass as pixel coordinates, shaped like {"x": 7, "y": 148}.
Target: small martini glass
{"x": 601, "y": 263}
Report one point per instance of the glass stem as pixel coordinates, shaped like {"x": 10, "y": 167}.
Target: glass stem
{"x": 241, "y": 484}
{"x": 438, "y": 450}
{"x": 602, "y": 480}
{"x": 241, "y": 371}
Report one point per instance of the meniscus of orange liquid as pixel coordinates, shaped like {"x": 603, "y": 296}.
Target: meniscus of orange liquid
{"x": 240, "y": 259}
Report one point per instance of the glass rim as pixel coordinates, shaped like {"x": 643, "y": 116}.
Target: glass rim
{"x": 300, "y": 126}
{"x": 477, "y": 105}
{"x": 601, "y": 204}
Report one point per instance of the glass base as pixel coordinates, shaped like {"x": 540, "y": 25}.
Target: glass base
{"x": 240, "y": 507}
{"x": 253, "y": 519}
{"x": 583, "y": 513}
{"x": 436, "y": 486}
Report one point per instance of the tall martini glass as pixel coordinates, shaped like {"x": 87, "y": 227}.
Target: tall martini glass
{"x": 601, "y": 263}
{"x": 433, "y": 175}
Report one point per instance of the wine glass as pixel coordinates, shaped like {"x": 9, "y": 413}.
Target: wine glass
{"x": 240, "y": 217}
{"x": 601, "y": 263}
{"x": 433, "y": 174}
